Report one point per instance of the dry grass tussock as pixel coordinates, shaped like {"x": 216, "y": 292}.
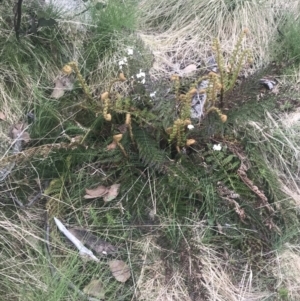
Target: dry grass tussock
{"x": 201, "y": 274}
{"x": 279, "y": 138}
{"x": 292, "y": 79}
{"x": 193, "y": 271}
{"x": 219, "y": 282}
{"x": 287, "y": 270}
{"x": 180, "y": 33}
{"x": 279, "y": 141}
{"x": 20, "y": 240}
{"x": 156, "y": 280}
{"x": 22, "y": 88}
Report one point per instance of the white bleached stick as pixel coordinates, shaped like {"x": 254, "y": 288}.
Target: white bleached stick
{"x": 78, "y": 244}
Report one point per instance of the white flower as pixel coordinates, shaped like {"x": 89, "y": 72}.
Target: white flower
{"x": 129, "y": 51}
{"x": 190, "y": 127}
{"x": 123, "y": 62}
{"x": 152, "y": 94}
{"x": 141, "y": 75}
{"x": 217, "y": 147}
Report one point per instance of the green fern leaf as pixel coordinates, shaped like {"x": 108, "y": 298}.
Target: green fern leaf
{"x": 149, "y": 150}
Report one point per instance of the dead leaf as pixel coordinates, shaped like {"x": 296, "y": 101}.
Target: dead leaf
{"x": 96, "y": 192}
{"x": 18, "y": 132}
{"x": 62, "y": 84}
{"x": 2, "y": 116}
{"x": 58, "y": 90}
{"x": 120, "y": 270}
{"x": 112, "y": 146}
{"x": 189, "y": 69}
{"x": 112, "y": 193}
{"x": 25, "y": 137}
{"x": 108, "y": 193}
{"x": 95, "y": 289}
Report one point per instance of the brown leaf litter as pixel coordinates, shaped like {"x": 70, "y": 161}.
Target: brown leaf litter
{"x": 108, "y": 193}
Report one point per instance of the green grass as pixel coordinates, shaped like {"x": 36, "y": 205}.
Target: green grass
{"x": 117, "y": 18}
{"x": 288, "y": 44}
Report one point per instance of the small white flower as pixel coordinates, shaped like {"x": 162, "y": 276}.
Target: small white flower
{"x": 142, "y": 76}
{"x": 217, "y": 147}
{"x": 129, "y": 51}
{"x": 123, "y": 62}
{"x": 190, "y": 127}
{"x": 152, "y": 94}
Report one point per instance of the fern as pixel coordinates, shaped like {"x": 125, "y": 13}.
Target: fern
{"x": 148, "y": 148}
{"x": 223, "y": 167}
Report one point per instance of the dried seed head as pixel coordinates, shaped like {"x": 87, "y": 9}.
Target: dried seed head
{"x": 67, "y": 69}
{"x": 118, "y": 137}
{"x": 169, "y": 130}
{"x": 174, "y": 77}
{"x": 223, "y": 118}
{"x": 190, "y": 142}
{"x": 219, "y": 86}
{"x": 107, "y": 117}
{"x": 104, "y": 95}
{"x": 192, "y": 92}
{"x": 178, "y": 121}
{"x": 212, "y": 74}
{"x": 128, "y": 118}
{"x": 182, "y": 96}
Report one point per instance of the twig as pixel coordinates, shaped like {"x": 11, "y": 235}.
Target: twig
{"x": 78, "y": 244}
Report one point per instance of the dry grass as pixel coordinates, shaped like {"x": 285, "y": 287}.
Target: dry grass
{"x": 292, "y": 79}
{"x": 154, "y": 282}
{"x": 287, "y": 271}
{"x": 180, "y": 33}
{"x": 196, "y": 271}
{"x": 18, "y": 267}
{"x": 220, "y": 284}
{"x": 281, "y": 135}
{"x": 202, "y": 274}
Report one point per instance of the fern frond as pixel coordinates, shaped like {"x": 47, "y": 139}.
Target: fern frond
{"x": 149, "y": 150}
